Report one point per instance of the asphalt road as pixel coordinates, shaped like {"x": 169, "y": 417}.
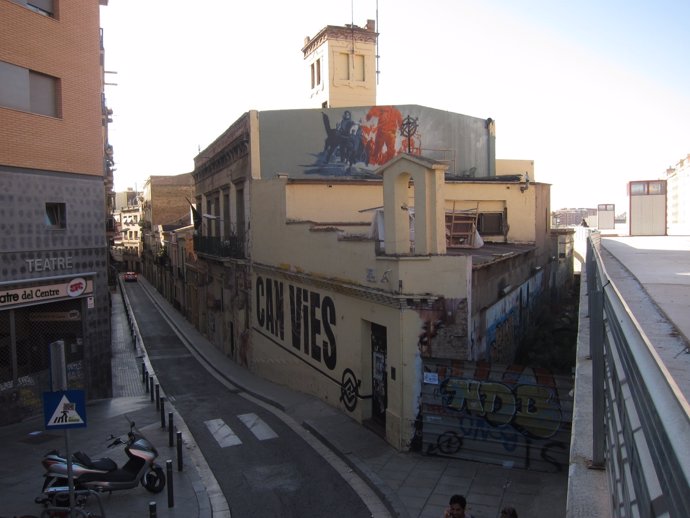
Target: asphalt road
{"x": 263, "y": 467}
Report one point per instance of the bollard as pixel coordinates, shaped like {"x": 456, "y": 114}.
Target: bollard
{"x": 179, "y": 451}
{"x": 171, "y": 495}
{"x": 158, "y": 395}
{"x": 163, "y": 412}
{"x": 151, "y": 386}
{"x": 146, "y": 380}
{"x": 170, "y": 429}
{"x": 152, "y": 510}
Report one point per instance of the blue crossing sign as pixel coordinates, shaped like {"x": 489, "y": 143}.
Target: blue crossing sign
{"x": 64, "y": 409}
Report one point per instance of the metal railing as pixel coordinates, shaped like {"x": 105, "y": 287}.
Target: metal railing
{"x": 641, "y": 420}
{"x": 231, "y": 246}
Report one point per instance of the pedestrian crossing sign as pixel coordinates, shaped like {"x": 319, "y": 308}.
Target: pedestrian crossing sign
{"x": 64, "y": 409}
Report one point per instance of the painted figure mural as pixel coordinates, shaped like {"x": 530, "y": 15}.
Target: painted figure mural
{"x": 354, "y": 142}
{"x": 368, "y": 142}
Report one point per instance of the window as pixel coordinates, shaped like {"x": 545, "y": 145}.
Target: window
{"x": 316, "y": 73}
{"x": 26, "y": 90}
{"x": 358, "y": 72}
{"x": 342, "y": 66}
{"x": 647, "y": 187}
{"x": 637, "y": 188}
{"x": 656, "y": 188}
{"x": 349, "y": 68}
{"x": 44, "y": 7}
{"x": 56, "y": 215}
{"x": 491, "y": 223}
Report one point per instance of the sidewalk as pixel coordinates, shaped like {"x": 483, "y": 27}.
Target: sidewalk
{"x": 25, "y": 443}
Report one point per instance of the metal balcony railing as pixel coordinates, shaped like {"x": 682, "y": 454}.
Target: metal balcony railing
{"x": 232, "y": 246}
{"x": 641, "y": 420}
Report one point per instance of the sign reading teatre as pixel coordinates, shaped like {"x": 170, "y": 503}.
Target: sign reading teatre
{"x": 74, "y": 288}
{"x": 49, "y": 264}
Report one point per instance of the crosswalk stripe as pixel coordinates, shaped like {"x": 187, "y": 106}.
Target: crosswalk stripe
{"x": 222, "y": 433}
{"x": 257, "y": 426}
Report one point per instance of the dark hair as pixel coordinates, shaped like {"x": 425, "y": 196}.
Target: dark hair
{"x": 510, "y": 512}
{"x": 458, "y": 499}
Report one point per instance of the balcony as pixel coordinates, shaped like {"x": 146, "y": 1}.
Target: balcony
{"x": 231, "y": 246}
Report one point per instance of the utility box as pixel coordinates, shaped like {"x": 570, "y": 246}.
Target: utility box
{"x": 647, "y": 207}
{"x": 606, "y": 216}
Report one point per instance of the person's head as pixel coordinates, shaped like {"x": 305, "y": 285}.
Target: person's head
{"x": 457, "y": 505}
{"x": 509, "y": 512}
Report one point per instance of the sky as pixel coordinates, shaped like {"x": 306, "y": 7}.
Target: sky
{"x": 596, "y": 92}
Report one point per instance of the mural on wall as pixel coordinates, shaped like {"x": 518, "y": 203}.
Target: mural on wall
{"x": 355, "y": 142}
{"x": 512, "y": 415}
{"x": 303, "y": 323}
{"x": 369, "y": 141}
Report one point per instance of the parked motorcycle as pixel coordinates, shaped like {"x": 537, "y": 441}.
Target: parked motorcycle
{"x": 103, "y": 475}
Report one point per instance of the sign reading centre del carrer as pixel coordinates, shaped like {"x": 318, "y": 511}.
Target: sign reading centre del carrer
{"x": 75, "y": 287}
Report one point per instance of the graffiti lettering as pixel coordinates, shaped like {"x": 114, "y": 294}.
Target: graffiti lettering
{"x": 478, "y": 429}
{"x": 269, "y": 306}
{"x": 307, "y": 314}
{"x": 531, "y": 408}
{"x": 312, "y": 319}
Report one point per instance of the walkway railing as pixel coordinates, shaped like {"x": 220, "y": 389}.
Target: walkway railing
{"x": 641, "y": 426}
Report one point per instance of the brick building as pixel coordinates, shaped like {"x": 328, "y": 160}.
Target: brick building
{"x": 166, "y": 207}
{"x": 55, "y": 187}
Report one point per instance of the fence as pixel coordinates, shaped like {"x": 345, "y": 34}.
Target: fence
{"x": 641, "y": 420}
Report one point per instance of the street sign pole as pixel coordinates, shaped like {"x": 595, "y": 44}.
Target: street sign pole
{"x": 58, "y": 371}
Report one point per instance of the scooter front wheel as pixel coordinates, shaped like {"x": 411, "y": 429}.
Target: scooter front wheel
{"x": 154, "y": 480}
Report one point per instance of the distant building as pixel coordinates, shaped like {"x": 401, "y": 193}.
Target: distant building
{"x": 129, "y": 217}
{"x": 56, "y": 190}
{"x": 572, "y": 217}
{"x": 678, "y": 185}
{"x": 166, "y": 206}
{"x": 648, "y": 207}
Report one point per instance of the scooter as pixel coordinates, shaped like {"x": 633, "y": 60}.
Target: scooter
{"x": 103, "y": 475}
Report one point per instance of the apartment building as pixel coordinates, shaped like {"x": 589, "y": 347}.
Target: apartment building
{"x": 678, "y": 184}
{"x": 56, "y": 192}
{"x": 127, "y": 245}
{"x": 166, "y": 207}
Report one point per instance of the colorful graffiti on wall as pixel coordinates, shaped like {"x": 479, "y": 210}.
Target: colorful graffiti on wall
{"x": 512, "y": 415}
{"x": 372, "y": 140}
{"x": 352, "y": 143}
{"x": 507, "y": 321}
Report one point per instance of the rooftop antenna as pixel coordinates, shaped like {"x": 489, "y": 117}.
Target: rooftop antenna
{"x": 352, "y": 30}
{"x": 378, "y": 72}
